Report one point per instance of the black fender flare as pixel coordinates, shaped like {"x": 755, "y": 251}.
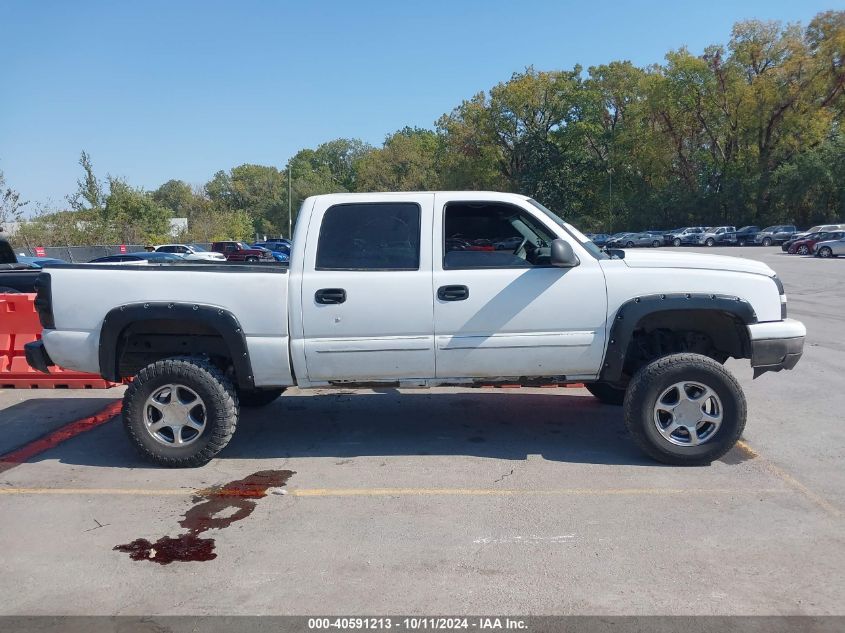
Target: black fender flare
{"x": 633, "y": 311}
{"x": 218, "y": 319}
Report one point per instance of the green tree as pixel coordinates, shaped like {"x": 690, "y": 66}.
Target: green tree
{"x": 10, "y": 203}
{"x": 89, "y": 189}
{"x": 134, "y": 216}
{"x": 406, "y": 162}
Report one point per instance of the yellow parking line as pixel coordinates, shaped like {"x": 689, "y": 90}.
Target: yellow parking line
{"x": 397, "y": 492}
{"x": 789, "y": 480}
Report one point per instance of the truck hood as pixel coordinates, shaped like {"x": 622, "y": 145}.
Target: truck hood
{"x": 657, "y": 259}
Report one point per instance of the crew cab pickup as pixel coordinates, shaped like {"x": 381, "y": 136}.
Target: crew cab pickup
{"x": 380, "y": 293}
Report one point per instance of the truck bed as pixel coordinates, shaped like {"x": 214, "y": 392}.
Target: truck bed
{"x": 256, "y": 295}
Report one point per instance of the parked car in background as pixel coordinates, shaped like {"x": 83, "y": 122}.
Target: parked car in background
{"x": 40, "y": 262}
{"x": 680, "y": 237}
{"x": 279, "y": 256}
{"x": 600, "y": 239}
{"x": 16, "y": 275}
{"x": 191, "y": 252}
{"x": 240, "y": 252}
{"x": 813, "y": 229}
{"x": 141, "y": 258}
{"x": 275, "y": 246}
{"x": 805, "y": 245}
{"x": 746, "y": 235}
{"x": 776, "y": 234}
{"x": 830, "y": 248}
{"x": 630, "y": 240}
{"x": 508, "y": 244}
{"x": 718, "y": 235}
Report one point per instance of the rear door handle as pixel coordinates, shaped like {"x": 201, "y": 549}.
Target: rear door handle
{"x": 453, "y": 293}
{"x": 330, "y": 296}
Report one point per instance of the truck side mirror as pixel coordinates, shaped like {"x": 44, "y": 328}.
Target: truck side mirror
{"x": 562, "y": 254}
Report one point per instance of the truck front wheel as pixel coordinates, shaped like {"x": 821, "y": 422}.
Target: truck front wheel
{"x": 685, "y": 410}
{"x": 180, "y": 412}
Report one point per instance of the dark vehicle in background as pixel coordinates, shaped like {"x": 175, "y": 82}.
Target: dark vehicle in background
{"x": 630, "y": 240}
{"x": 718, "y": 235}
{"x": 456, "y": 244}
{"x": 686, "y": 235}
{"x": 599, "y": 239}
{"x": 281, "y": 247}
{"x": 776, "y": 234}
{"x": 240, "y": 252}
{"x": 279, "y": 256}
{"x": 140, "y": 258}
{"x": 746, "y": 235}
{"x": 16, "y": 276}
{"x": 827, "y": 228}
{"x": 40, "y": 262}
{"x": 806, "y": 245}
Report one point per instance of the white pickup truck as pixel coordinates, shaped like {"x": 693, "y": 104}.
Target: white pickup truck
{"x": 423, "y": 289}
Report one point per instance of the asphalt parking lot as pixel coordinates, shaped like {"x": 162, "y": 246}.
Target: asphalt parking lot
{"x": 458, "y": 501}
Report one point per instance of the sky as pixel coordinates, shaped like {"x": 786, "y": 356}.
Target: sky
{"x": 159, "y": 90}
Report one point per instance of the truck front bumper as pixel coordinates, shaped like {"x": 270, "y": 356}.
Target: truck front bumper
{"x": 37, "y": 356}
{"x": 776, "y": 345}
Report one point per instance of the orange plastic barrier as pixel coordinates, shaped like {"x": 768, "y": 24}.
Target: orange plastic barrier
{"x": 19, "y": 325}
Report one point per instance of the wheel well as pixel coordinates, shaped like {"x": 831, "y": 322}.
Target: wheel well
{"x": 145, "y": 342}
{"x": 135, "y": 335}
{"x": 713, "y": 333}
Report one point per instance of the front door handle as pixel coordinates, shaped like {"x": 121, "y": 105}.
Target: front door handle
{"x": 453, "y": 293}
{"x": 330, "y": 296}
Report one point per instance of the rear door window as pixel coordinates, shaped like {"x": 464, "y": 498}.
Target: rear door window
{"x": 370, "y": 236}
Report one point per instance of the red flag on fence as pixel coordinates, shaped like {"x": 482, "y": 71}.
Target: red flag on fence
{"x": 39, "y": 251}
{"x": 123, "y": 248}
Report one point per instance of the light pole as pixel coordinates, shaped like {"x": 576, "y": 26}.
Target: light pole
{"x": 290, "y": 217}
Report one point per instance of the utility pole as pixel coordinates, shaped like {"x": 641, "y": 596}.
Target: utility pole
{"x": 290, "y": 217}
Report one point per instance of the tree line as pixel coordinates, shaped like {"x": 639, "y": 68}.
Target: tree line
{"x": 750, "y": 132}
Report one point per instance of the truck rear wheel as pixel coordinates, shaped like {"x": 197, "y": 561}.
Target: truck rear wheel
{"x": 606, "y": 392}
{"x": 180, "y": 412}
{"x": 258, "y": 397}
{"x": 685, "y": 410}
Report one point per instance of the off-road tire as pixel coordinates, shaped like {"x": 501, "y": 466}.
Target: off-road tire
{"x": 258, "y": 397}
{"x": 652, "y": 379}
{"x": 607, "y": 393}
{"x": 209, "y": 383}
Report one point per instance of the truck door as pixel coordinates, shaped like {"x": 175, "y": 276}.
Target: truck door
{"x": 500, "y": 308}
{"x": 366, "y": 289}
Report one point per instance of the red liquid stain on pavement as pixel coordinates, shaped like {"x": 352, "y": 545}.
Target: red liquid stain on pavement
{"x": 214, "y": 509}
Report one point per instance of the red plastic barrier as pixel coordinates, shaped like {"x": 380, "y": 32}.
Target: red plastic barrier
{"x": 19, "y": 325}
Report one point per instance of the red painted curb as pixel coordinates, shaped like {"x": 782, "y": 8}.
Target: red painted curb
{"x": 62, "y": 434}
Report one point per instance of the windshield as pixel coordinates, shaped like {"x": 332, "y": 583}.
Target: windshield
{"x": 198, "y": 249}
{"x": 586, "y": 242}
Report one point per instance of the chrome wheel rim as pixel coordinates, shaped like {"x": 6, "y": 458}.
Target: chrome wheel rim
{"x": 803, "y": 250}
{"x": 688, "y": 413}
{"x": 175, "y": 415}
